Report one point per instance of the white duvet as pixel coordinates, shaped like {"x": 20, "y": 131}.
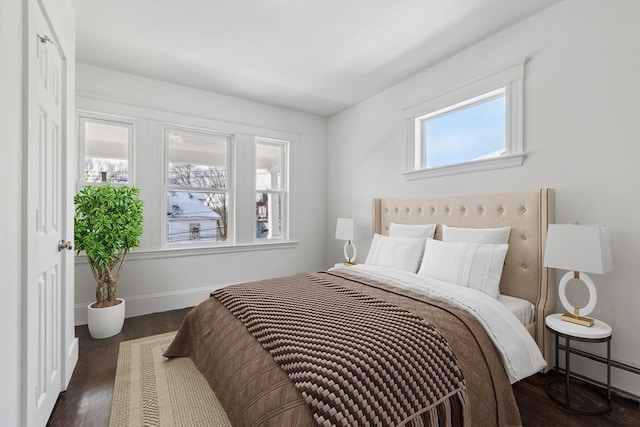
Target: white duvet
{"x": 520, "y": 355}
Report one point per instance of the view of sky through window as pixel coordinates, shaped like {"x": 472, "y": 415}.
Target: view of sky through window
{"x": 475, "y": 132}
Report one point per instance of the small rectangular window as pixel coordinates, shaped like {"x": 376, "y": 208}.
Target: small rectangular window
{"x": 107, "y": 145}
{"x": 194, "y": 231}
{"x": 467, "y": 131}
{"x": 198, "y": 186}
{"x": 475, "y": 126}
{"x": 270, "y": 161}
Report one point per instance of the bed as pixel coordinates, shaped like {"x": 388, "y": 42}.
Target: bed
{"x": 255, "y": 342}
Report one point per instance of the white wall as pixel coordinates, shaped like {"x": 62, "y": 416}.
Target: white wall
{"x": 151, "y": 283}
{"x": 582, "y": 134}
{"x": 10, "y": 223}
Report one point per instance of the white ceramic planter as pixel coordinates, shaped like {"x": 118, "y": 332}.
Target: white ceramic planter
{"x": 105, "y": 322}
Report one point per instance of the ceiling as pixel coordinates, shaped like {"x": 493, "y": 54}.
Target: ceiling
{"x": 318, "y": 56}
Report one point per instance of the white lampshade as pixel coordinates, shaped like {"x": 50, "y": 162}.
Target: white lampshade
{"x": 344, "y": 229}
{"x": 583, "y": 248}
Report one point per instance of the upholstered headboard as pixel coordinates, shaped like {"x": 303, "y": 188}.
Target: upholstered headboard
{"x": 528, "y": 213}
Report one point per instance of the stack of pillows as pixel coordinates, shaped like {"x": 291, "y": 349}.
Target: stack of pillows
{"x": 471, "y": 257}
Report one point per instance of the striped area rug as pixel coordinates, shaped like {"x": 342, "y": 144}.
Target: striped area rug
{"x": 151, "y": 390}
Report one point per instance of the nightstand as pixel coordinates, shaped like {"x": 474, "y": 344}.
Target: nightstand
{"x": 599, "y": 332}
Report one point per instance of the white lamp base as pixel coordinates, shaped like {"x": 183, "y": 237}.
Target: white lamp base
{"x": 349, "y": 260}
{"x": 575, "y": 314}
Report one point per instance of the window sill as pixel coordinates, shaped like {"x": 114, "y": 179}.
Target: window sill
{"x": 507, "y": 161}
{"x": 174, "y": 252}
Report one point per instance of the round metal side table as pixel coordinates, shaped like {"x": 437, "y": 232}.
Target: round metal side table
{"x": 599, "y": 332}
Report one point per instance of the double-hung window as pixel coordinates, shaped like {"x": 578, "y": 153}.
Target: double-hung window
{"x": 198, "y": 186}
{"x": 209, "y": 186}
{"x": 475, "y": 126}
{"x": 106, "y": 147}
{"x": 271, "y": 192}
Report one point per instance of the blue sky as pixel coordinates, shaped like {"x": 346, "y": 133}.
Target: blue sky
{"x": 467, "y": 134}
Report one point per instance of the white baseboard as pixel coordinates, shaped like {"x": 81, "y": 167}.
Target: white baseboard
{"x": 154, "y": 303}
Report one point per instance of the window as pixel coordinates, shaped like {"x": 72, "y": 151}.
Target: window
{"x": 270, "y": 176}
{"x": 194, "y": 231}
{"x": 209, "y": 186}
{"x": 198, "y": 186}
{"x": 476, "y": 126}
{"x": 470, "y": 130}
{"x": 106, "y": 145}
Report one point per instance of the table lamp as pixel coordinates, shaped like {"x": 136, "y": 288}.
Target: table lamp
{"x": 581, "y": 249}
{"x": 344, "y": 231}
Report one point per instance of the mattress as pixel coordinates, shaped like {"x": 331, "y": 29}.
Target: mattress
{"x": 522, "y": 309}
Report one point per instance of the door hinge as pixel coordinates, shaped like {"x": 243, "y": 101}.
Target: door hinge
{"x": 42, "y": 40}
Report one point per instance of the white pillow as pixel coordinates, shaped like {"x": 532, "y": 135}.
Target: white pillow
{"x": 494, "y": 236}
{"x": 406, "y": 230}
{"x": 402, "y": 253}
{"x": 474, "y": 265}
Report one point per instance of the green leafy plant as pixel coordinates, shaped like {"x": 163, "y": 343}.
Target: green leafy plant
{"x": 108, "y": 224}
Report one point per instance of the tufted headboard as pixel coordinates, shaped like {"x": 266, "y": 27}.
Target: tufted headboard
{"x": 528, "y": 213}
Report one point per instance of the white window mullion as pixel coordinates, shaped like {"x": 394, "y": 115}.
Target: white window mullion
{"x": 245, "y": 189}
{"x": 150, "y": 179}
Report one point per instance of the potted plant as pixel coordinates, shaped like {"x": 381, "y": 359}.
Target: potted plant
{"x": 108, "y": 224}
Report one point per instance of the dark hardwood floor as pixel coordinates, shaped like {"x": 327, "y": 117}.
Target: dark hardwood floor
{"x": 87, "y": 401}
{"x": 536, "y": 409}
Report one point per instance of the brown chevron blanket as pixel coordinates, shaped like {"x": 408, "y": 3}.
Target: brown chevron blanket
{"x": 357, "y": 360}
{"x": 255, "y": 390}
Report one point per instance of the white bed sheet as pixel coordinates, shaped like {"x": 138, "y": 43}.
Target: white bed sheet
{"x": 521, "y": 308}
{"x": 520, "y": 354}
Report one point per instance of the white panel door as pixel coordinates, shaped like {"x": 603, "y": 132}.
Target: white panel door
{"x": 43, "y": 288}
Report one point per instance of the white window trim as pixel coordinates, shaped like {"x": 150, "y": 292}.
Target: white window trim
{"x": 82, "y": 115}
{"x": 198, "y": 250}
{"x": 511, "y": 77}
